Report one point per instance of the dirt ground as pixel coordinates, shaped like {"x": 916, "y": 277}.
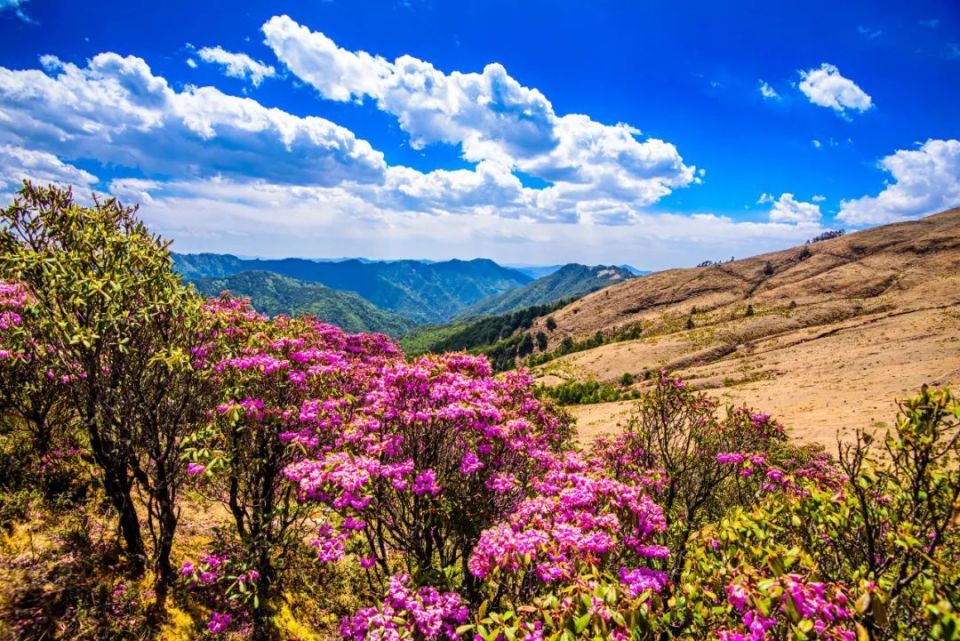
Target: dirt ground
{"x": 820, "y": 388}
{"x": 829, "y": 344}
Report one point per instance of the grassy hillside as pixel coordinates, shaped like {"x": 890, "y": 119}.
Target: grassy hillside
{"x": 274, "y": 294}
{"x": 827, "y": 333}
{"x": 570, "y": 281}
{"x": 422, "y": 292}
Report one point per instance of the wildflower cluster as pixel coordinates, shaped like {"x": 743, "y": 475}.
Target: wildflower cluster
{"x": 406, "y": 612}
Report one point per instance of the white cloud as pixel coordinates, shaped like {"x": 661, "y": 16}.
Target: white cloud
{"x": 267, "y": 219}
{"x": 191, "y": 63}
{"x": 765, "y": 198}
{"x": 18, "y": 164}
{"x": 767, "y": 91}
{"x": 115, "y": 110}
{"x": 871, "y": 33}
{"x": 17, "y": 7}
{"x": 237, "y": 65}
{"x": 491, "y": 116}
{"x": 817, "y": 198}
{"x": 827, "y": 88}
{"x": 787, "y": 209}
{"x": 925, "y": 180}
{"x": 816, "y": 143}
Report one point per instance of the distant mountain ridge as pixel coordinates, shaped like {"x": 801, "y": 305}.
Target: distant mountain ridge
{"x": 419, "y": 291}
{"x": 539, "y": 271}
{"x": 274, "y": 294}
{"x": 568, "y": 282}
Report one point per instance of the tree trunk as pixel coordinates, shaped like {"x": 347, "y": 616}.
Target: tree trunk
{"x": 130, "y": 530}
{"x": 165, "y": 574}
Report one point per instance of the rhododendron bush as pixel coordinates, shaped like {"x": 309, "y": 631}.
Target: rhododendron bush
{"x": 282, "y": 478}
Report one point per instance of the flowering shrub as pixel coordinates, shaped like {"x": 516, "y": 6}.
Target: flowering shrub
{"x": 435, "y": 451}
{"x": 286, "y": 385}
{"x": 449, "y": 502}
{"x": 573, "y": 518}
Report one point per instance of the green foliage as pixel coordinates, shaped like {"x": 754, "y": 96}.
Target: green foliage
{"x": 118, "y": 326}
{"x": 481, "y": 334}
{"x": 569, "y": 346}
{"x": 542, "y": 341}
{"x": 588, "y": 392}
{"x": 497, "y": 337}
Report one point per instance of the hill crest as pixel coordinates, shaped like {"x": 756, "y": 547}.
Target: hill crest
{"x": 824, "y": 333}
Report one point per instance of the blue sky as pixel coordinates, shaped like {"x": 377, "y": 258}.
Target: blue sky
{"x": 654, "y": 133}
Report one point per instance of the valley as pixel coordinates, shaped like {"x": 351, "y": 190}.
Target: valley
{"x": 827, "y": 335}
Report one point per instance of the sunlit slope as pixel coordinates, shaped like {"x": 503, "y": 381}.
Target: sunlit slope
{"x": 835, "y": 335}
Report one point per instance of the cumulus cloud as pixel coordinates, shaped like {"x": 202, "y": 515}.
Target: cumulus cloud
{"x": 787, "y": 209}
{"x": 924, "y": 181}
{"x": 491, "y": 116}
{"x": 18, "y": 164}
{"x": 825, "y": 87}
{"x": 115, "y": 110}
{"x": 237, "y": 65}
{"x": 765, "y": 198}
{"x": 817, "y": 198}
{"x": 767, "y": 91}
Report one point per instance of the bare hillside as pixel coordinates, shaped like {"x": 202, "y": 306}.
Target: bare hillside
{"x": 838, "y": 328}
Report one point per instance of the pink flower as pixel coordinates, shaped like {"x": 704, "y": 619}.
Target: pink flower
{"x": 737, "y": 596}
{"x": 218, "y": 622}
{"x": 426, "y": 483}
{"x": 470, "y": 463}
{"x": 195, "y": 468}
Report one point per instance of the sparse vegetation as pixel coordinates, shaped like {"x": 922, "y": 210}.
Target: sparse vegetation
{"x": 827, "y": 235}
{"x": 587, "y": 392}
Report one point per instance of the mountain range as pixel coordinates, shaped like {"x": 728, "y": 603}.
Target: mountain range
{"x": 569, "y": 281}
{"x": 390, "y": 296}
{"x": 419, "y": 291}
{"x": 274, "y": 294}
